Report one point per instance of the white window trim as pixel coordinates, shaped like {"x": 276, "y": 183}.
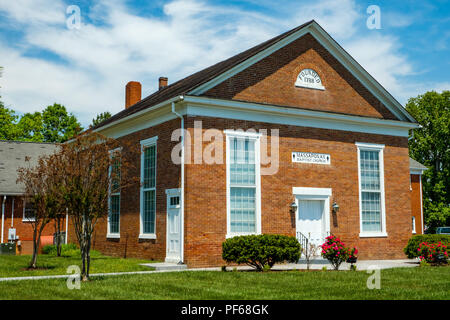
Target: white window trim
{"x": 414, "y": 224}
{"x": 115, "y": 235}
{"x": 255, "y": 137}
{"x": 372, "y": 147}
{"x": 147, "y": 143}
{"x": 24, "y": 219}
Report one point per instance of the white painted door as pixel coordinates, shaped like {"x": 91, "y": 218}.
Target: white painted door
{"x": 173, "y": 246}
{"x": 310, "y": 220}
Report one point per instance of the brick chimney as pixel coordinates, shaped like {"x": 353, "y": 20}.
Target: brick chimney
{"x": 163, "y": 82}
{"x": 132, "y": 93}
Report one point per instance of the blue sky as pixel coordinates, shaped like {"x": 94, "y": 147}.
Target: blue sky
{"x": 86, "y": 69}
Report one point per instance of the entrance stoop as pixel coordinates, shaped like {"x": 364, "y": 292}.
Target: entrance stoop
{"x": 318, "y": 260}
{"x": 165, "y": 266}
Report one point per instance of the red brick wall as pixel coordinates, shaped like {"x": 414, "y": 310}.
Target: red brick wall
{"x": 23, "y": 229}
{"x": 205, "y": 202}
{"x": 272, "y": 80}
{"x": 168, "y": 176}
{"x": 205, "y": 206}
{"x": 416, "y": 201}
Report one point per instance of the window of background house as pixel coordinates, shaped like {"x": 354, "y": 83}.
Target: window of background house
{"x": 29, "y": 213}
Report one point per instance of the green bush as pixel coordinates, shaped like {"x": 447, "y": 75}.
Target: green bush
{"x": 262, "y": 250}
{"x": 65, "y": 248}
{"x": 411, "y": 249}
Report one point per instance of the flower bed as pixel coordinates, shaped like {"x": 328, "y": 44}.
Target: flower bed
{"x": 434, "y": 253}
{"x": 335, "y": 251}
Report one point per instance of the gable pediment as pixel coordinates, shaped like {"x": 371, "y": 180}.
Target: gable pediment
{"x": 302, "y": 74}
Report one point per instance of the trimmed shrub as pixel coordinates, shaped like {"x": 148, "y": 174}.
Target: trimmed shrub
{"x": 65, "y": 248}
{"x": 414, "y": 243}
{"x": 260, "y": 251}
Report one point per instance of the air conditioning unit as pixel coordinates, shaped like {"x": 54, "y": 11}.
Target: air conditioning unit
{"x": 12, "y": 234}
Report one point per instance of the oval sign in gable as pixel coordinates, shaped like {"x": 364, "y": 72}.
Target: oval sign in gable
{"x": 308, "y": 78}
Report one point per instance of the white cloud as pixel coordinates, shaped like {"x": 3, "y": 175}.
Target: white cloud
{"x": 34, "y": 11}
{"x": 337, "y": 17}
{"x": 191, "y": 35}
{"x": 380, "y": 56}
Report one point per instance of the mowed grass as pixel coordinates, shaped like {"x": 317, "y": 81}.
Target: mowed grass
{"x": 16, "y": 266}
{"x": 401, "y": 283}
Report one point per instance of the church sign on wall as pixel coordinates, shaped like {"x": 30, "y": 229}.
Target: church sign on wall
{"x": 308, "y": 78}
{"x": 309, "y": 157}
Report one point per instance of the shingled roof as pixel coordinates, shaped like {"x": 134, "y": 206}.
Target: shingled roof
{"x": 13, "y": 155}
{"x": 415, "y": 165}
{"x": 189, "y": 83}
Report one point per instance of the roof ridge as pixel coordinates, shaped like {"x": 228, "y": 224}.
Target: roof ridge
{"x": 184, "y": 85}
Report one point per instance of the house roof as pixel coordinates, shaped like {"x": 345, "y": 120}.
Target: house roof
{"x": 12, "y": 157}
{"x": 416, "y": 166}
{"x": 187, "y": 85}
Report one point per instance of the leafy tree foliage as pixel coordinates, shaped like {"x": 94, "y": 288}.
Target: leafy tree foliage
{"x": 42, "y": 185}
{"x": 29, "y": 127}
{"x": 84, "y": 173}
{"x": 58, "y": 125}
{"x": 100, "y": 118}
{"x": 7, "y": 123}
{"x": 430, "y": 145}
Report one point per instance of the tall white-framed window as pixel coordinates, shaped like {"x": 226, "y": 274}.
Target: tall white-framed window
{"x": 243, "y": 183}
{"x": 371, "y": 190}
{"x": 148, "y": 188}
{"x": 114, "y": 195}
{"x": 413, "y": 224}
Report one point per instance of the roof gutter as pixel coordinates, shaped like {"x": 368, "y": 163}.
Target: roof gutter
{"x": 173, "y": 103}
{"x": 3, "y": 216}
{"x": 139, "y": 113}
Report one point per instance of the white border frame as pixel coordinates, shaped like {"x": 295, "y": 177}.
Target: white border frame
{"x": 24, "y": 219}
{"x": 175, "y": 192}
{"x": 147, "y": 143}
{"x": 108, "y": 234}
{"x": 380, "y": 148}
{"x": 323, "y": 194}
{"x": 251, "y": 135}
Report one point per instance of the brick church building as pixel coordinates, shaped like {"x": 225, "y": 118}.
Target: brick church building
{"x": 290, "y": 137}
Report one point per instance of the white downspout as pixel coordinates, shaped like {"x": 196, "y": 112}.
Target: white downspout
{"x": 67, "y": 225}
{"x": 182, "y": 176}
{"x": 421, "y": 202}
{"x": 3, "y": 215}
{"x": 12, "y": 213}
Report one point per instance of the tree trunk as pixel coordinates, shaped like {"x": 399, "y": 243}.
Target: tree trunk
{"x": 36, "y": 241}
{"x": 35, "y": 249}
{"x": 58, "y": 237}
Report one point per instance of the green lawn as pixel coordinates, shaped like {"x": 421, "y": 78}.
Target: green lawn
{"x": 16, "y": 266}
{"x": 401, "y": 283}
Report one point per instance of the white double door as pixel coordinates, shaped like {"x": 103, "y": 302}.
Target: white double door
{"x": 173, "y": 241}
{"x": 311, "y": 220}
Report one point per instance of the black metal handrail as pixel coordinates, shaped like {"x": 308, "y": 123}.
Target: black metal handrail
{"x": 303, "y": 240}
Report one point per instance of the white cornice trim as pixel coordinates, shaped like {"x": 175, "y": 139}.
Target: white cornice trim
{"x": 249, "y": 111}
{"x": 202, "y": 106}
{"x": 416, "y": 171}
{"x": 312, "y": 191}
